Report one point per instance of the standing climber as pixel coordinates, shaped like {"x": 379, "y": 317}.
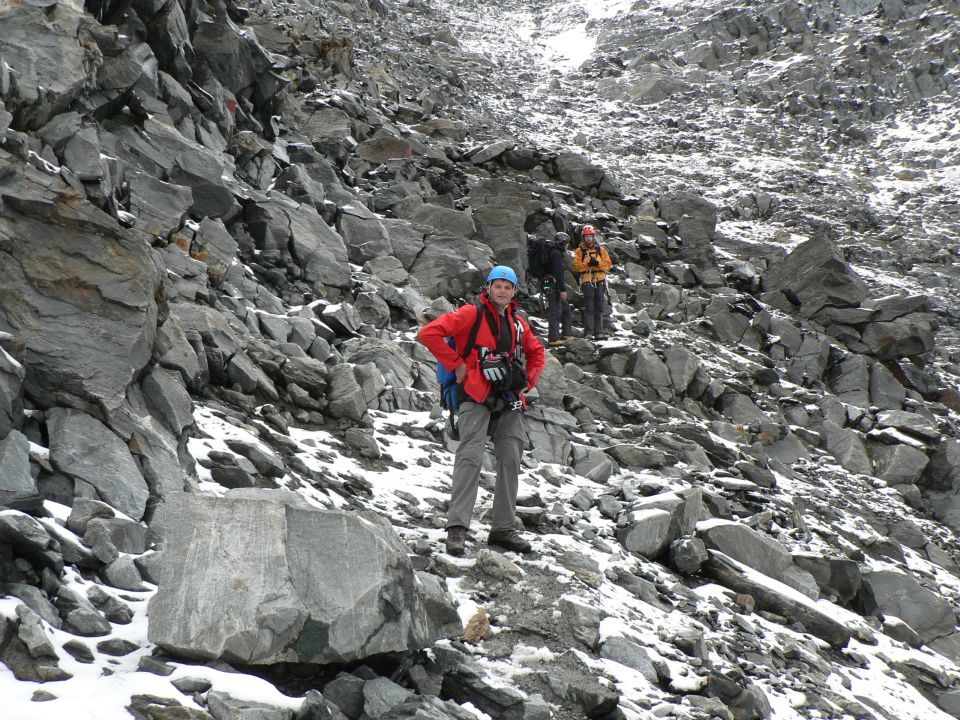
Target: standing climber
{"x": 591, "y": 262}
{"x": 558, "y": 300}
{"x": 503, "y": 363}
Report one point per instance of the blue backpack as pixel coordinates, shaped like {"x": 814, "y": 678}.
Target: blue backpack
{"x": 447, "y": 379}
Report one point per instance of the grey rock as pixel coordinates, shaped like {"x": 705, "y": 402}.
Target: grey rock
{"x": 758, "y": 551}
{"x": 79, "y": 651}
{"x": 345, "y": 395}
{"x": 847, "y": 447}
{"x": 943, "y": 472}
{"x": 631, "y": 654}
{"x": 35, "y": 599}
{"x": 155, "y": 666}
{"x": 583, "y": 621}
{"x": 173, "y": 350}
{"x": 899, "y": 594}
{"x": 445, "y": 221}
{"x": 650, "y": 370}
{"x": 84, "y": 448}
{"x": 127, "y": 536}
{"x": 837, "y": 577}
{"x": 216, "y": 247}
{"x": 908, "y": 422}
{"x": 160, "y": 207}
{"x": 342, "y": 318}
{"x": 12, "y": 374}
{"x": 449, "y": 265}
{"x": 406, "y": 239}
{"x": 491, "y": 152}
{"x": 50, "y": 59}
{"x": 122, "y": 573}
{"x": 84, "y": 510}
{"x": 682, "y": 365}
{"x": 113, "y": 609}
{"x": 84, "y": 340}
{"x": 687, "y": 555}
{"x": 79, "y": 615}
{"x": 899, "y": 338}
{"x": 16, "y": 482}
{"x": 427, "y": 707}
{"x": 891, "y": 308}
{"x": 628, "y": 455}
{"x": 224, "y": 707}
{"x": 381, "y": 695}
{"x": 365, "y": 236}
{"x": 169, "y": 399}
{"x": 346, "y": 692}
{"x": 309, "y": 593}
{"x": 646, "y": 532}
{"x": 850, "y": 380}
{"x": 898, "y": 464}
{"x": 266, "y": 461}
{"x": 31, "y": 632}
{"x": 584, "y": 690}
{"x": 817, "y": 275}
{"x": 30, "y": 540}
{"x": 886, "y": 392}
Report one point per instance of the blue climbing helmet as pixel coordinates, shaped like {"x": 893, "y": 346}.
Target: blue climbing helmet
{"x": 502, "y": 272}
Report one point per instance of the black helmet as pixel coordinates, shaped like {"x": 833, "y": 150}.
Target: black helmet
{"x": 561, "y": 239}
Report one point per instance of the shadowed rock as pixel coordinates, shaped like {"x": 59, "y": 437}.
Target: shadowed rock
{"x": 817, "y": 275}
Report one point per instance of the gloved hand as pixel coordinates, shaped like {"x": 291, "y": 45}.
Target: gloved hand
{"x": 519, "y": 378}
{"x": 593, "y": 262}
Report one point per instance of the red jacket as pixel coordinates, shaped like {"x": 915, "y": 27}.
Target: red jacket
{"x": 458, "y": 323}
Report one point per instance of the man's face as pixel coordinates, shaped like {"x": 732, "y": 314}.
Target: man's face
{"x": 589, "y": 240}
{"x": 501, "y": 292}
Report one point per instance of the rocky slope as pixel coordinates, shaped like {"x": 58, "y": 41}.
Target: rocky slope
{"x": 220, "y": 228}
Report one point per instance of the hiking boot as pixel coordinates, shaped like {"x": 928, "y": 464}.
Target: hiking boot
{"x": 509, "y": 540}
{"x": 456, "y": 539}
{"x": 556, "y": 343}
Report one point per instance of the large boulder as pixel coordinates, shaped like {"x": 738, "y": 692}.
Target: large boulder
{"x": 816, "y": 275}
{"x": 261, "y": 577}
{"x": 900, "y": 595}
{"x": 451, "y": 266}
{"x": 50, "y": 51}
{"x": 86, "y": 450}
{"x": 758, "y": 551}
{"x": 288, "y": 233}
{"x": 76, "y": 290}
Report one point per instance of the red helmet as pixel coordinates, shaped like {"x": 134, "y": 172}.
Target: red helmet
{"x": 588, "y": 230}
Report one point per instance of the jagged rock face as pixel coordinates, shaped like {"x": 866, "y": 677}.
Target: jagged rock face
{"x": 297, "y": 583}
{"x": 80, "y": 299}
{"x": 297, "y": 199}
{"x": 816, "y": 275}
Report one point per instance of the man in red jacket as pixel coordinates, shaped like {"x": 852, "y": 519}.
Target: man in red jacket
{"x": 504, "y": 364}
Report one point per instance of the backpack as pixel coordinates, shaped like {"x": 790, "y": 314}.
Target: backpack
{"x": 447, "y": 379}
{"x": 538, "y": 257}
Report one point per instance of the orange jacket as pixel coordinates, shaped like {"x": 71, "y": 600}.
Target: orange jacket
{"x": 587, "y": 272}
{"x": 458, "y": 323}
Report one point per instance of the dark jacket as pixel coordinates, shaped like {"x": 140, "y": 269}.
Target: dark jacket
{"x": 458, "y": 323}
{"x": 557, "y": 267}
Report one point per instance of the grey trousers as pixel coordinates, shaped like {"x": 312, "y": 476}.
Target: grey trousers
{"x": 506, "y": 429}
{"x": 592, "y": 308}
